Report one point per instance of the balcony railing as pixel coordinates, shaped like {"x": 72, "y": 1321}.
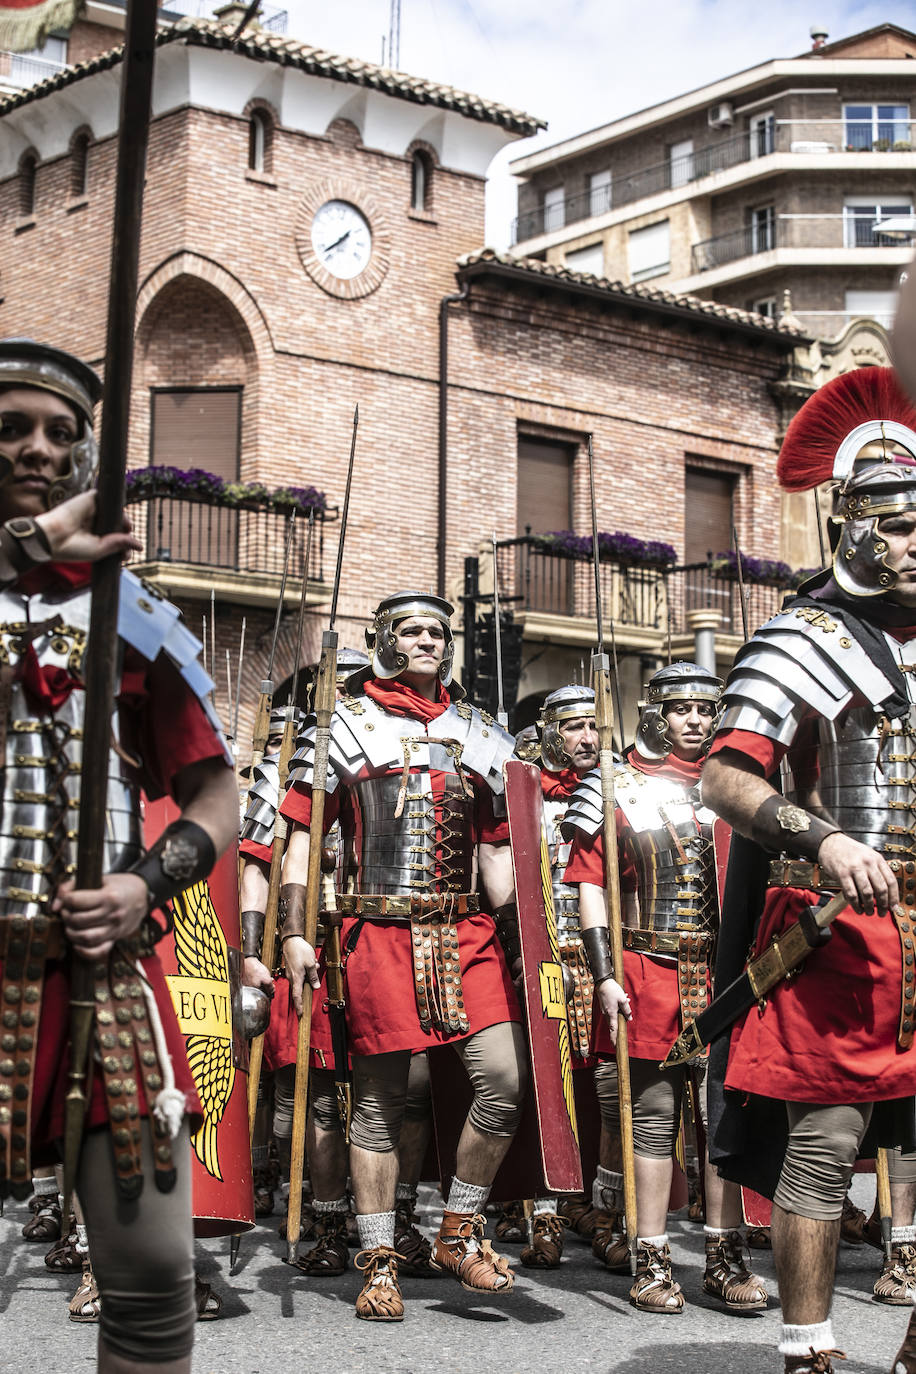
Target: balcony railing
{"x": 811, "y": 137}
{"x": 208, "y": 534}
{"x": 21, "y": 70}
{"x": 636, "y": 596}
{"x": 850, "y": 229}
{"x": 268, "y": 16}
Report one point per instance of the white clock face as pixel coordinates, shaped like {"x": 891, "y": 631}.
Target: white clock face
{"x": 341, "y": 239}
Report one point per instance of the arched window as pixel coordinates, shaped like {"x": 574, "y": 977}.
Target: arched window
{"x": 260, "y": 137}
{"x": 79, "y": 165}
{"x": 27, "y": 169}
{"x": 420, "y": 181}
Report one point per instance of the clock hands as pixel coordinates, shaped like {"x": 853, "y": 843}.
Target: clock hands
{"x": 337, "y": 242}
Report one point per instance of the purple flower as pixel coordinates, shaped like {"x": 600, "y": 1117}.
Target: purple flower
{"x": 144, "y": 483}
{"x": 613, "y": 546}
{"x": 768, "y": 571}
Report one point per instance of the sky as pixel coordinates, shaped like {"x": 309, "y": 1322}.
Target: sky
{"x": 578, "y": 63}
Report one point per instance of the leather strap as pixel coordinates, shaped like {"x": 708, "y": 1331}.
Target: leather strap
{"x": 437, "y": 970}
{"x": 51, "y": 932}
{"x": 579, "y": 1001}
{"x": 20, "y": 1012}
{"x": 904, "y": 918}
{"x": 692, "y": 968}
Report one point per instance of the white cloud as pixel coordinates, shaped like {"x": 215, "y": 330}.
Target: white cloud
{"x": 581, "y": 63}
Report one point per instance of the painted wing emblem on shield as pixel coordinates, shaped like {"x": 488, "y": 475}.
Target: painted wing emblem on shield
{"x": 202, "y": 956}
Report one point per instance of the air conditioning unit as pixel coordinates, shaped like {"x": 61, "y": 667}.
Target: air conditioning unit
{"x": 720, "y": 116}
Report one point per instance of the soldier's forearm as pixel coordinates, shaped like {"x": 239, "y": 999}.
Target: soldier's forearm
{"x": 496, "y": 874}
{"x": 592, "y": 907}
{"x": 296, "y": 860}
{"x": 734, "y": 793}
{"x": 208, "y": 796}
{"x": 253, "y": 886}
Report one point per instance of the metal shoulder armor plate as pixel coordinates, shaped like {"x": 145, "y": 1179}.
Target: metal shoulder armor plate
{"x": 650, "y": 802}
{"x": 800, "y": 663}
{"x": 585, "y": 811}
{"x": 485, "y": 746}
{"x": 153, "y": 626}
{"x": 263, "y": 796}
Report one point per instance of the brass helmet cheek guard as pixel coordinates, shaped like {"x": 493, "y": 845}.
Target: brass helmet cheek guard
{"x": 677, "y": 682}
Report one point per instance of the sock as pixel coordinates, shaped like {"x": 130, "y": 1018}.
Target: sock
{"x": 46, "y": 1189}
{"x": 607, "y": 1190}
{"x": 657, "y": 1241}
{"x": 338, "y": 1205}
{"x": 545, "y": 1207}
{"x": 375, "y": 1229}
{"x": 82, "y": 1240}
{"x": 466, "y": 1197}
{"x": 799, "y": 1340}
{"x": 406, "y": 1192}
{"x": 714, "y": 1232}
{"x": 903, "y": 1235}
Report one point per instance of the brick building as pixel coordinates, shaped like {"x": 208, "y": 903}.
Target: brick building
{"x": 769, "y": 180}
{"x": 312, "y": 232}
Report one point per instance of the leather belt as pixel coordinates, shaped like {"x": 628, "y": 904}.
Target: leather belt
{"x": 417, "y": 904}
{"x": 800, "y": 873}
{"x": 904, "y": 918}
{"x": 662, "y": 941}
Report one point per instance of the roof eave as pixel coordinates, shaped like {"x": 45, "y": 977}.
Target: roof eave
{"x": 669, "y": 310}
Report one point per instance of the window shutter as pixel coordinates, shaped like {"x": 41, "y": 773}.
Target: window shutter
{"x": 650, "y": 250}
{"x": 544, "y": 473}
{"x": 196, "y": 429}
{"x": 708, "y": 509}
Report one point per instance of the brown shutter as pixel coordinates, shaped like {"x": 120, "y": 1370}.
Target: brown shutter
{"x": 197, "y": 429}
{"x": 708, "y": 512}
{"x": 544, "y": 477}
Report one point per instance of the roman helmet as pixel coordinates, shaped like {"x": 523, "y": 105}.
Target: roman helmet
{"x": 528, "y": 744}
{"x": 349, "y": 661}
{"x": 387, "y": 662}
{"x": 859, "y": 430}
{"x": 566, "y": 703}
{"x": 679, "y": 681}
{"x": 23, "y": 362}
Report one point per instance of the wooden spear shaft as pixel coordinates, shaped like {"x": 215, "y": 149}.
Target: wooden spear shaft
{"x": 102, "y": 648}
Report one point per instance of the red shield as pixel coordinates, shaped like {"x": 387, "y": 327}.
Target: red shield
{"x": 721, "y": 844}
{"x": 545, "y": 1001}
{"x": 202, "y": 964}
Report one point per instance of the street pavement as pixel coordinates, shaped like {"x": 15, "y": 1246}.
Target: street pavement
{"x": 574, "y": 1318}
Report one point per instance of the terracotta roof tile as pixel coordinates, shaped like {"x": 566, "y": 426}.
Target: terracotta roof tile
{"x": 263, "y": 45}
{"x": 652, "y": 295}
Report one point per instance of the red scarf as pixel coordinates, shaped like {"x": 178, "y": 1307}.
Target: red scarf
{"x": 399, "y": 699}
{"x": 560, "y": 785}
{"x": 670, "y": 766}
{"x": 48, "y": 688}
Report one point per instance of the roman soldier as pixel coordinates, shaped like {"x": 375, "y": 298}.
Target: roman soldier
{"x": 814, "y": 762}
{"x": 326, "y": 1148}
{"x": 415, "y": 778}
{"x": 568, "y": 748}
{"x": 134, "y": 1171}
{"x": 668, "y": 873}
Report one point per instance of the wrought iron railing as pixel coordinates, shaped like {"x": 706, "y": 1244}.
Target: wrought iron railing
{"x": 813, "y": 137}
{"x": 637, "y": 596}
{"x": 249, "y": 538}
{"x": 23, "y": 70}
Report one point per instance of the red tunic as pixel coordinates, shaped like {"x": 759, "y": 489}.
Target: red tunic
{"x": 378, "y": 955}
{"x": 163, "y": 722}
{"x": 651, "y": 983}
{"x": 830, "y": 1035}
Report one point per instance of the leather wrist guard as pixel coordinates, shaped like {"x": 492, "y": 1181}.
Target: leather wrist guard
{"x": 182, "y": 855}
{"x": 292, "y": 910}
{"x": 779, "y": 824}
{"x": 506, "y": 921}
{"x": 252, "y": 934}
{"x": 23, "y": 545}
{"x": 597, "y": 945}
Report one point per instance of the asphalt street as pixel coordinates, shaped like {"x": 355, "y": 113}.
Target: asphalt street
{"x": 573, "y": 1318}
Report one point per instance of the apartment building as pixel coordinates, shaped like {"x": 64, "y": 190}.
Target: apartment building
{"x": 774, "y": 179}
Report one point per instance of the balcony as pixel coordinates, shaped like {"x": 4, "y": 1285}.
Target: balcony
{"x": 21, "y": 70}
{"x": 194, "y": 545}
{"x": 644, "y": 602}
{"x": 268, "y": 16}
{"x": 811, "y": 138}
{"x": 844, "y": 230}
